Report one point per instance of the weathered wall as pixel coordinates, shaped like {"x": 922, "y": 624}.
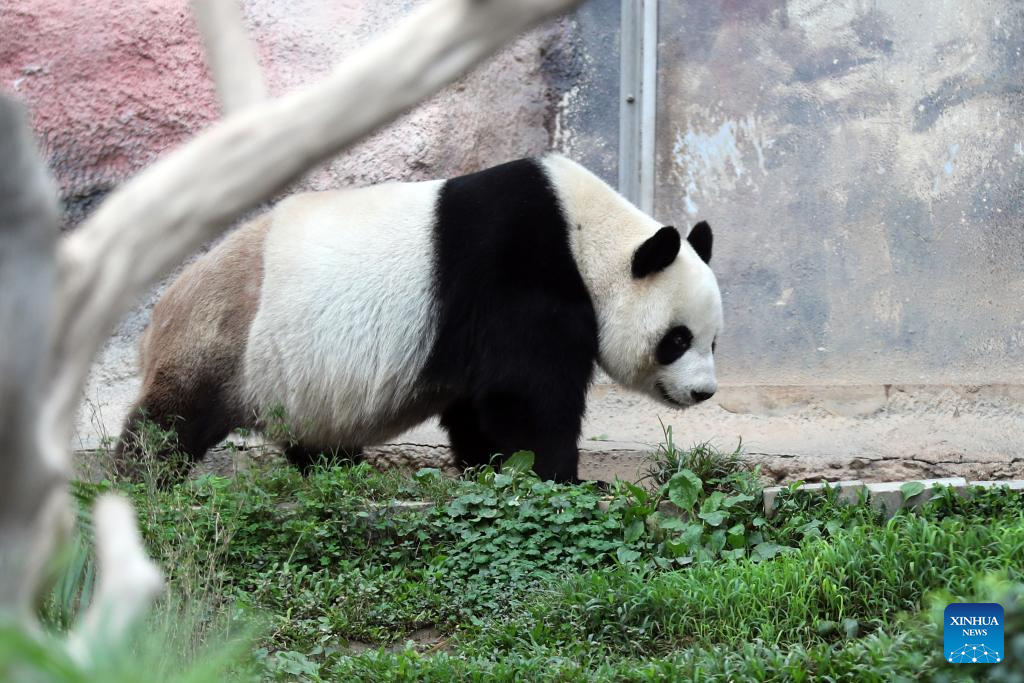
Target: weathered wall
{"x": 109, "y": 86}
{"x": 112, "y": 85}
{"x": 863, "y": 163}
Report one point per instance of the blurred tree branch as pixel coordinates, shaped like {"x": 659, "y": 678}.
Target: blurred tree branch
{"x": 59, "y": 299}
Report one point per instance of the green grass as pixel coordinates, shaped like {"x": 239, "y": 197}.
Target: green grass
{"x": 715, "y": 467}
{"x": 275, "y": 576}
{"x": 850, "y": 584}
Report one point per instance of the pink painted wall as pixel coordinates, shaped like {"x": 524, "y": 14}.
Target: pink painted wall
{"x": 112, "y": 84}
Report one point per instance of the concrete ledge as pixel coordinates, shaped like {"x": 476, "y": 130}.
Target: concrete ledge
{"x": 854, "y": 400}
{"x": 398, "y": 507}
{"x": 889, "y": 496}
{"x": 849, "y": 492}
{"x": 1017, "y": 485}
{"x": 886, "y": 497}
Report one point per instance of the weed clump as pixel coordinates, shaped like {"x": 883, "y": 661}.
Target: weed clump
{"x": 715, "y": 468}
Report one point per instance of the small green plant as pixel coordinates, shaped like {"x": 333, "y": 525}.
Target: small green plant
{"x": 977, "y": 503}
{"x": 277, "y": 427}
{"x": 150, "y": 453}
{"x": 714, "y": 467}
{"x": 910, "y": 489}
{"x": 704, "y": 526}
{"x": 189, "y": 635}
{"x": 157, "y": 650}
{"x": 506, "y": 533}
{"x": 802, "y": 515}
{"x": 75, "y": 573}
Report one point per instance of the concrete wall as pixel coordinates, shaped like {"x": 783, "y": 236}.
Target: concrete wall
{"x": 860, "y": 161}
{"x": 863, "y": 163}
{"x": 111, "y": 85}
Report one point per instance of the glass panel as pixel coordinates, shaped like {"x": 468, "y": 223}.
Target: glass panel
{"x": 586, "y": 124}
{"x": 862, "y": 163}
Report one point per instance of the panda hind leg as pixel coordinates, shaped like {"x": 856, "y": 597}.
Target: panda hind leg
{"x": 170, "y": 428}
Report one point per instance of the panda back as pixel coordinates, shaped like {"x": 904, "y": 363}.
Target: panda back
{"x": 345, "y": 317}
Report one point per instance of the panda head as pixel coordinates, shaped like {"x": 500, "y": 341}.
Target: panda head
{"x": 660, "y": 331}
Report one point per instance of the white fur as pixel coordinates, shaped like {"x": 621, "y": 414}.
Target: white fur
{"x": 346, "y": 319}
{"x": 345, "y": 322}
{"x": 605, "y": 231}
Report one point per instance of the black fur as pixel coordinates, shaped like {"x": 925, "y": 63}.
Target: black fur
{"x": 657, "y": 253}
{"x": 673, "y": 345}
{"x": 517, "y": 336}
{"x": 195, "y": 413}
{"x": 700, "y": 239}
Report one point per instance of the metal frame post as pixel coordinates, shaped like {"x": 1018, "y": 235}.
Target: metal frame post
{"x": 638, "y": 101}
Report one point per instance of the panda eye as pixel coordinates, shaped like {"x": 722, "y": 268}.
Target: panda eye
{"x": 674, "y": 344}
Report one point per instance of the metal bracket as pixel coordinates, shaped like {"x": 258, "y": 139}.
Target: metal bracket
{"x": 638, "y": 101}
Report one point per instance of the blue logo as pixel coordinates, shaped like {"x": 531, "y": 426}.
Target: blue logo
{"x": 973, "y": 633}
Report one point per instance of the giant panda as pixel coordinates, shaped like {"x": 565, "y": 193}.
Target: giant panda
{"x": 486, "y": 299}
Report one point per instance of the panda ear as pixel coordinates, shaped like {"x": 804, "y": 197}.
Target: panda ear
{"x": 700, "y": 239}
{"x": 657, "y": 253}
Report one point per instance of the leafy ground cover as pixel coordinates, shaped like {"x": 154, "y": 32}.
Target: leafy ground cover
{"x": 276, "y": 576}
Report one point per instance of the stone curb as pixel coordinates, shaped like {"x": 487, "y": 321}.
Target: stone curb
{"x": 665, "y": 508}
{"x": 888, "y": 496}
{"x": 849, "y": 492}
{"x": 885, "y": 496}
{"x": 398, "y": 507}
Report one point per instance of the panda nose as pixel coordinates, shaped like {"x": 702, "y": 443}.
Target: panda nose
{"x": 701, "y": 396}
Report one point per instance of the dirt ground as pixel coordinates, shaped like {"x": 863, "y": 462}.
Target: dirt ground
{"x": 883, "y": 433}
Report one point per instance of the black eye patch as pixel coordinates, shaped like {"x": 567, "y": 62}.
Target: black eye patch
{"x": 674, "y": 344}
